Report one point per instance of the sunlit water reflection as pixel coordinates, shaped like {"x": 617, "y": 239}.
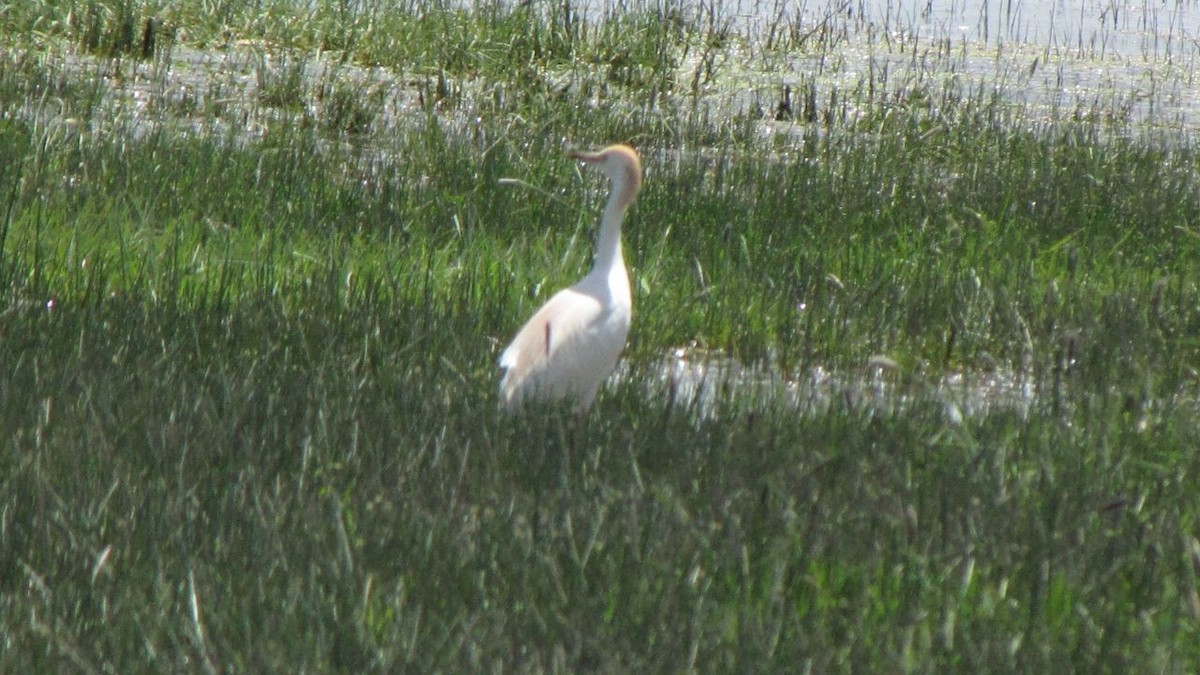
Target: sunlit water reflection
{"x": 708, "y": 381}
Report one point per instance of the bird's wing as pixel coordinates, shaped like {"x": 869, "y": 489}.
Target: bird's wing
{"x": 567, "y": 313}
{"x": 569, "y": 332}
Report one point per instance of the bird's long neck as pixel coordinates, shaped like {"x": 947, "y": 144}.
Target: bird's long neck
{"x": 608, "y": 241}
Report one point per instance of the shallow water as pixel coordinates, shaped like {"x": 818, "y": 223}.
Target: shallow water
{"x": 705, "y": 381}
{"x": 1130, "y": 65}
{"x": 1146, "y": 29}
{"x": 1134, "y": 62}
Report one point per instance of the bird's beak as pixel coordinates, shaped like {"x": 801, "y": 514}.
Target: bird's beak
{"x": 584, "y": 156}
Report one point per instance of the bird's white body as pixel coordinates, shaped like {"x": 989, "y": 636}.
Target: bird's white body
{"x": 572, "y": 343}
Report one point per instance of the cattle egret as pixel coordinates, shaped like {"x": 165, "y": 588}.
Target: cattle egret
{"x": 572, "y": 343}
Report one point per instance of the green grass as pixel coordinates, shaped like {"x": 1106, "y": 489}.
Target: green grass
{"x": 248, "y": 344}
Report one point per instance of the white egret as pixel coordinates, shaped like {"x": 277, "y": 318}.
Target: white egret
{"x": 573, "y": 342}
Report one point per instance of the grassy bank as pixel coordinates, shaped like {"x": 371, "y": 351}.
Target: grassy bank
{"x": 251, "y": 313}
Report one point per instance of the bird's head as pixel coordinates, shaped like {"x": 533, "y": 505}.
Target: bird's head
{"x": 619, "y": 162}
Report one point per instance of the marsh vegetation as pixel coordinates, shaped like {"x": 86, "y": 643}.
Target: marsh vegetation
{"x": 911, "y": 383}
